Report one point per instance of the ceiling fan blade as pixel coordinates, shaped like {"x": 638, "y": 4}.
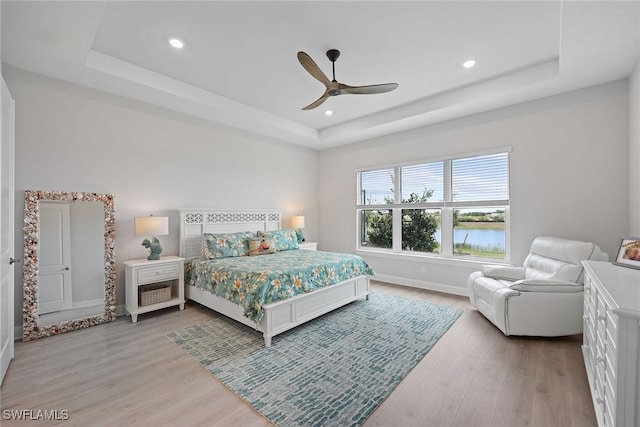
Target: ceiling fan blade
{"x": 317, "y": 102}
{"x": 313, "y": 69}
{"x": 367, "y": 90}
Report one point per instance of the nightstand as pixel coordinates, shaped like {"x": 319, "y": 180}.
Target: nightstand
{"x": 152, "y": 285}
{"x": 308, "y": 246}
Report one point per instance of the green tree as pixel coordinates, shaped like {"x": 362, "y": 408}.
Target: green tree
{"x": 379, "y": 229}
{"x": 418, "y": 226}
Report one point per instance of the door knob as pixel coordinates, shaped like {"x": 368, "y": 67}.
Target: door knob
{"x": 13, "y": 261}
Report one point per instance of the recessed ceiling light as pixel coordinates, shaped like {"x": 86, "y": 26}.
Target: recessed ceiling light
{"x": 328, "y": 112}
{"x": 468, "y": 64}
{"x": 177, "y": 43}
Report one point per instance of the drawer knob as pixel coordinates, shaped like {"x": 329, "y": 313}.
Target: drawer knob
{"x": 600, "y": 401}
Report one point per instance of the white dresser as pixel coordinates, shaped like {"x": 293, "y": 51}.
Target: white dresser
{"x": 612, "y": 342}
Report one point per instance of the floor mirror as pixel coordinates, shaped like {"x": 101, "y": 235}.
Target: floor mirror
{"x": 69, "y": 262}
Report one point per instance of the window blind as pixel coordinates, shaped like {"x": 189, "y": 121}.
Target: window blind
{"x": 377, "y": 187}
{"x": 483, "y": 179}
{"x": 480, "y": 179}
{"x": 417, "y": 179}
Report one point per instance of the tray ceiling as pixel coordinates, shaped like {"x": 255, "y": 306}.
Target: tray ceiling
{"x": 238, "y": 66}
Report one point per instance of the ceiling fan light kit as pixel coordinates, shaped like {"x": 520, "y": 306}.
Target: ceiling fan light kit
{"x": 333, "y": 87}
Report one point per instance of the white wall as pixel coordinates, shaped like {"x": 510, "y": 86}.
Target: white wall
{"x": 70, "y": 138}
{"x": 569, "y": 175}
{"x": 634, "y": 152}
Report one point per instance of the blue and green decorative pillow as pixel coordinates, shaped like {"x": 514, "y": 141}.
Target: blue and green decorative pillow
{"x": 285, "y": 239}
{"x": 228, "y": 245}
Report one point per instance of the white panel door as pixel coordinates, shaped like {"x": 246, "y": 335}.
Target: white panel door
{"x": 6, "y": 228}
{"x": 54, "y": 258}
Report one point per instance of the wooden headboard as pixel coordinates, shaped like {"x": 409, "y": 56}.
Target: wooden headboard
{"x": 195, "y": 222}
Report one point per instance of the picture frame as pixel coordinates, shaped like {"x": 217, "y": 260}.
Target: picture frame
{"x": 629, "y": 253}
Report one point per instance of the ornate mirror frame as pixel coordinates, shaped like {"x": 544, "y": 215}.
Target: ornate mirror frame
{"x": 30, "y": 328}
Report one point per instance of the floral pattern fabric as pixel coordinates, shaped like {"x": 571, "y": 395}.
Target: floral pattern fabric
{"x": 226, "y": 245}
{"x": 256, "y": 281}
{"x": 285, "y": 239}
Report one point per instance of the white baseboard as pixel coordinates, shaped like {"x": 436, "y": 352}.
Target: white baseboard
{"x": 421, "y": 284}
{"x": 17, "y": 330}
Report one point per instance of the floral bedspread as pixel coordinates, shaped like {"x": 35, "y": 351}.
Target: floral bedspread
{"x": 254, "y": 281}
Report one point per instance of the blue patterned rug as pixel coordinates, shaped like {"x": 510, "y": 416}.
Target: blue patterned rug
{"x": 332, "y": 371}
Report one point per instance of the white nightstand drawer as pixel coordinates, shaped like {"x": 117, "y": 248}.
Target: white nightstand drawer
{"x": 158, "y": 273}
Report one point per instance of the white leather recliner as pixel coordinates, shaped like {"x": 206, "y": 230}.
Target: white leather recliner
{"x": 542, "y": 298}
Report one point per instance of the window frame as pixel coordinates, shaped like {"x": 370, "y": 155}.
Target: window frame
{"x": 446, "y": 207}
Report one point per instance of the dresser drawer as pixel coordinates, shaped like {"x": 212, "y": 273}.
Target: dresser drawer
{"x": 612, "y": 367}
{"x": 590, "y": 297}
{"x": 590, "y": 324}
{"x": 609, "y": 414}
{"x": 612, "y": 320}
{"x": 590, "y": 341}
{"x": 158, "y": 273}
{"x": 588, "y": 363}
{"x": 601, "y": 305}
{"x": 589, "y": 305}
{"x": 600, "y": 343}
{"x": 588, "y": 285}
{"x": 610, "y": 377}
{"x": 599, "y": 390}
{"x": 601, "y": 322}
{"x": 612, "y": 334}
{"x": 612, "y": 345}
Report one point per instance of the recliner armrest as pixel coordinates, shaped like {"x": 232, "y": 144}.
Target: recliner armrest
{"x": 541, "y": 285}
{"x": 503, "y": 272}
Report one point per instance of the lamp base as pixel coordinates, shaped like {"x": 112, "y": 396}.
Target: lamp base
{"x": 154, "y": 247}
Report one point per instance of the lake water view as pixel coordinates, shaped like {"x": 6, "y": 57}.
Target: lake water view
{"x": 490, "y": 239}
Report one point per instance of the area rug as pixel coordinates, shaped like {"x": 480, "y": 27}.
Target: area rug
{"x": 332, "y": 371}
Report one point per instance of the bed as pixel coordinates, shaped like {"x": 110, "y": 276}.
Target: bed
{"x": 305, "y": 300}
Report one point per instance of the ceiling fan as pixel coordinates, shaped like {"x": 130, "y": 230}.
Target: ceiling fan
{"x": 334, "y": 88}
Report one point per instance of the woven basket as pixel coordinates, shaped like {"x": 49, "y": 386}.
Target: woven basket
{"x": 154, "y": 294}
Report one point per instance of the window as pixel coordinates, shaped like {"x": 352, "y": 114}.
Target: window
{"x": 455, "y": 207}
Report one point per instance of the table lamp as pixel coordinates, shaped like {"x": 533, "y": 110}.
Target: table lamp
{"x": 152, "y": 226}
{"x": 297, "y": 222}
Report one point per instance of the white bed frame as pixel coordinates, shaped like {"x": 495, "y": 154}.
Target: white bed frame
{"x": 278, "y": 316}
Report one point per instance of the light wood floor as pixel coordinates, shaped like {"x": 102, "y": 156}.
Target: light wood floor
{"x": 124, "y": 374}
